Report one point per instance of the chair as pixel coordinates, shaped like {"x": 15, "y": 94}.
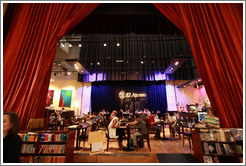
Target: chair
{"x": 35, "y": 124}
{"x": 111, "y": 140}
{"x": 84, "y": 134}
{"x": 145, "y": 137}
{"x": 186, "y": 132}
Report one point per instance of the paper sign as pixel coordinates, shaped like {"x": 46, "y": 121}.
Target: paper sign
{"x": 96, "y": 137}
{"x": 97, "y": 146}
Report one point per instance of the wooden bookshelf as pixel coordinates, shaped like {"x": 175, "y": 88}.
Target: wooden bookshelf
{"x": 66, "y": 147}
{"x": 201, "y": 151}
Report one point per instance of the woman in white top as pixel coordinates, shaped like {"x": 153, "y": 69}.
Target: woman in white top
{"x": 112, "y": 126}
{"x": 114, "y": 130}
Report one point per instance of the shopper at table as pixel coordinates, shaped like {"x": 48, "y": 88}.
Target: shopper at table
{"x": 142, "y": 128}
{"x": 211, "y": 120}
{"x": 88, "y": 116}
{"x": 95, "y": 118}
{"x": 153, "y": 124}
{"x": 173, "y": 120}
{"x": 11, "y": 141}
{"x": 101, "y": 119}
{"x": 112, "y": 115}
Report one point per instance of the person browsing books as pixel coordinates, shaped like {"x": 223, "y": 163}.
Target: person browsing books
{"x": 211, "y": 120}
{"x": 12, "y": 143}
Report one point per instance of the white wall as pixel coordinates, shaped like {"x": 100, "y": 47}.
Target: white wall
{"x": 188, "y": 95}
{"x": 79, "y": 103}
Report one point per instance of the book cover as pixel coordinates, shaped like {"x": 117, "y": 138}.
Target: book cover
{"x": 218, "y": 148}
{"x": 207, "y": 159}
{"x": 212, "y": 148}
{"x": 239, "y": 149}
{"x": 228, "y": 149}
{"x": 205, "y": 148}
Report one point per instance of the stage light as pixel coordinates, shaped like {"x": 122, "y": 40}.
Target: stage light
{"x": 70, "y": 45}
{"x": 80, "y": 45}
{"x": 76, "y": 67}
{"x": 91, "y": 64}
{"x": 118, "y": 44}
{"x": 104, "y": 44}
{"x": 176, "y": 63}
{"x": 142, "y": 62}
{"x": 81, "y": 71}
{"x": 171, "y": 69}
{"x": 98, "y": 63}
{"x": 68, "y": 73}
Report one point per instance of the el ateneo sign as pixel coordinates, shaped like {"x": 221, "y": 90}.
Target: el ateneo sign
{"x": 123, "y": 95}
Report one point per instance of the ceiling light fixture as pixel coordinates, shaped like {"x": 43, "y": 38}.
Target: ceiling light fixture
{"x": 104, "y": 44}
{"x": 76, "y": 67}
{"x": 70, "y": 45}
{"x": 142, "y": 62}
{"x": 118, "y": 44}
{"x": 176, "y": 63}
{"x": 80, "y": 45}
{"x": 98, "y": 63}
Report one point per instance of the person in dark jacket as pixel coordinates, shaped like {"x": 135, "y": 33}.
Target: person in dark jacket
{"x": 11, "y": 141}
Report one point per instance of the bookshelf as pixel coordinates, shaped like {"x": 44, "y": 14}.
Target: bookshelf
{"x": 47, "y": 146}
{"x": 216, "y": 146}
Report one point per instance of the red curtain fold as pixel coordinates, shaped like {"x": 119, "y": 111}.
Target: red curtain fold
{"x": 29, "y": 51}
{"x": 215, "y": 34}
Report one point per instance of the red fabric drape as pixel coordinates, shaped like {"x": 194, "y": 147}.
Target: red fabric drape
{"x": 29, "y": 51}
{"x": 215, "y": 34}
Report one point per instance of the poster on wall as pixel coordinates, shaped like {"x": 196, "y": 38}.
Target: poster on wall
{"x": 49, "y": 99}
{"x": 65, "y": 98}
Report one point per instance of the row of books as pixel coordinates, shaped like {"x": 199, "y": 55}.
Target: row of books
{"x": 28, "y": 148}
{"x": 30, "y": 136}
{"x": 53, "y": 137}
{"x": 26, "y": 159}
{"x": 217, "y": 148}
{"x": 50, "y": 159}
{"x": 52, "y": 149}
{"x": 217, "y": 135}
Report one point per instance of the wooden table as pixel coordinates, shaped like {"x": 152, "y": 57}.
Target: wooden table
{"x": 128, "y": 127}
{"x": 78, "y": 128}
{"x": 163, "y": 124}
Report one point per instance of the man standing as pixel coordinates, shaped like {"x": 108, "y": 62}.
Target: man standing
{"x": 197, "y": 108}
{"x": 153, "y": 126}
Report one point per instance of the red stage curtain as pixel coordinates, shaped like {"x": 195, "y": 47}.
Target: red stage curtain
{"x": 215, "y": 34}
{"x": 29, "y": 51}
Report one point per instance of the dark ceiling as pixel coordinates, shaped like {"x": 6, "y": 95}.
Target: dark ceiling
{"x": 124, "y": 19}
{"x": 144, "y": 34}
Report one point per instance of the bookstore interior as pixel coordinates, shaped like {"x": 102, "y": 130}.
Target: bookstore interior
{"x": 123, "y": 83}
